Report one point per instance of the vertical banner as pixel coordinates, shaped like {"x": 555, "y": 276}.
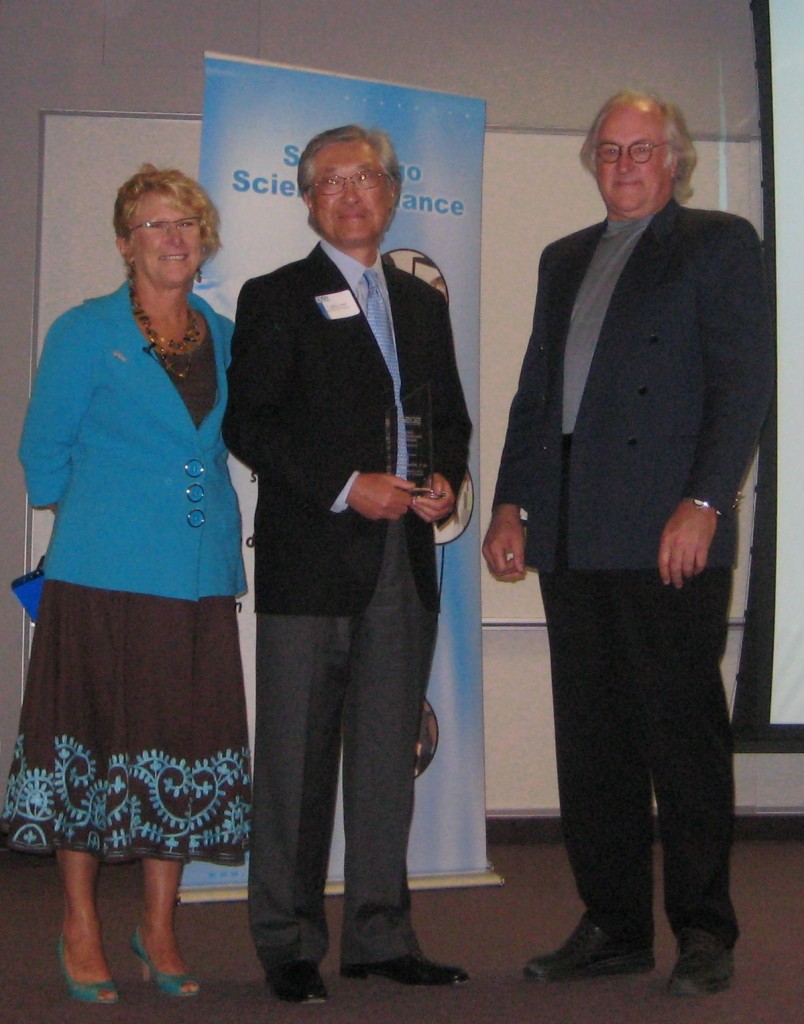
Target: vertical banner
{"x": 257, "y": 119}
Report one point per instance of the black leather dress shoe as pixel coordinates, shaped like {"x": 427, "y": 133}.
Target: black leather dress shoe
{"x": 411, "y": 969}
{"x": 587, "y": 953}
{"x": 297, "y": 981}
{"x": 704, "y": 965}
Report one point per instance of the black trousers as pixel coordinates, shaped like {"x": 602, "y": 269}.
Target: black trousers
{"x": 639, "y": 708}
{"x": 640, "y": 711}
{"x": 356, "y": 682}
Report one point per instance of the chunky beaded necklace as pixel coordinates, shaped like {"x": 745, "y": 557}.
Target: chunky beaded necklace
{"x": 175, "y": 355}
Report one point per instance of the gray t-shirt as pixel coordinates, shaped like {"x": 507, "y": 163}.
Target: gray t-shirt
{"x": 612, "y": 253}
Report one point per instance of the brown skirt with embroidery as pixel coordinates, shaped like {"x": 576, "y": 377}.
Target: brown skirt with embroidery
{"x": 133, "y": 739}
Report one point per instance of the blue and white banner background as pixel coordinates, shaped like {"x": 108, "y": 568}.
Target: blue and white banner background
{"x": 257, "y": 119}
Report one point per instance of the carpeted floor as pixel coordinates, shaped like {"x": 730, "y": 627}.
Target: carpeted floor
{"x": 489, "y": 931}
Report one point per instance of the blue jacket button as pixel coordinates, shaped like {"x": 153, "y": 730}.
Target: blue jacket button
{"x": 196, "y": 517}
{"x": 194, "y": 467}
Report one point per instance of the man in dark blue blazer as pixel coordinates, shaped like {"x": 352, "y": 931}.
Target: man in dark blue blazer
{"x": 645, "y": 384}
{"x": 325, "y": 355}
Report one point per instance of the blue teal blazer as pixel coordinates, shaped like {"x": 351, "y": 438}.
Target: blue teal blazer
{"x": 144, "y": 499}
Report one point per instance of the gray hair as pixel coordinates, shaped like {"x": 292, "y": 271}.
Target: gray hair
{"x": 678, "y": 137}
{"x": 377, "y": 139}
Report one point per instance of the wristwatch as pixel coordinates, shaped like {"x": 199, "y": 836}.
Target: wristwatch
{"x": 700, "y": 503}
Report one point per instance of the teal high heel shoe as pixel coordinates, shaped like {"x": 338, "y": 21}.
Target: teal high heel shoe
{"x": 170, "y": 984}
{"x": 86, "y": 991}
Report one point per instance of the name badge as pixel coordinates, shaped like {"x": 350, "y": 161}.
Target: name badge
{"x": 337, "y": 305}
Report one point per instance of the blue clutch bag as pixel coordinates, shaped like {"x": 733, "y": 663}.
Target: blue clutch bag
{"x": 28, "y": 589}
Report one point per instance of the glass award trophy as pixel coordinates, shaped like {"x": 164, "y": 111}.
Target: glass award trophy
{"x": 417, "y": 407}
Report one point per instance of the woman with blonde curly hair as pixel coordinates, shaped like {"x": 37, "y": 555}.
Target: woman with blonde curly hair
{"x": 133, "y": 737}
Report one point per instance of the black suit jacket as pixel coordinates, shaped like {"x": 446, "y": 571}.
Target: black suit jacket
{"x": 677, "y": 392}
{"x": 307, "y": 403}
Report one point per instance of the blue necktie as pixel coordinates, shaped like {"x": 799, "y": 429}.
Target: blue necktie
{"x": 377, "y": 316}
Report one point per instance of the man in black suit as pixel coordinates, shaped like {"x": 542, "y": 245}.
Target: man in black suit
{"x": 643, "y": 389}
{"x": 325, "y": 353}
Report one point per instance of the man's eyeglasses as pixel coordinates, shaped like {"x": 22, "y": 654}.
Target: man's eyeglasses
{"x": 640, "y": 152}
{"x": 335, "y": 183}
{"x": 185, "y": 226}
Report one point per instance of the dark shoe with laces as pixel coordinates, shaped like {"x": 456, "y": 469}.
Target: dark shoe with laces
{"x": 704, "y": 965}
{"x": 297, "y": 981}
{"x": 410, "y": 969}
{"x": 588, "y": 953}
